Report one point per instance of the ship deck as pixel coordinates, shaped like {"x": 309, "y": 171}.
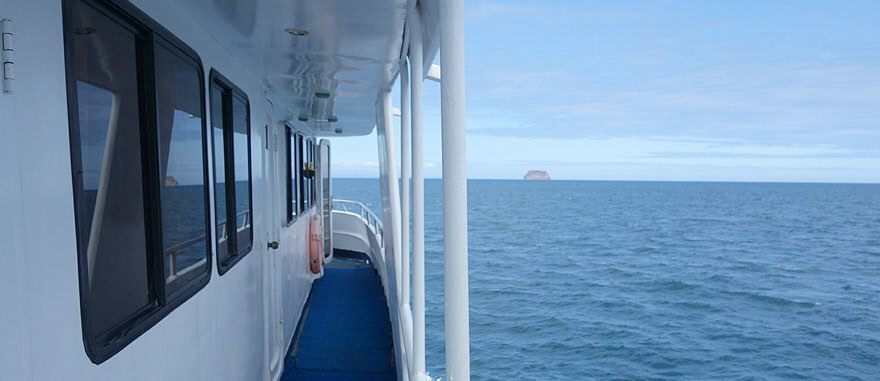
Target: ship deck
{"x": 344, "y": 332}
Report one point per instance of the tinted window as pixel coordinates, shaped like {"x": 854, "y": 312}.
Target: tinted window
{"x": 230, "y": 121}
{"x": 218, "y": 140}
{"x": 139, "y": 170}
{"x": 300, "y": 154}
{"x": 181, "y": 167}
{"x": 291, "y": 175}
{"x": 112, "y": 222}
{"x": 241, "y": 157}
{"x": 313, "y": 165}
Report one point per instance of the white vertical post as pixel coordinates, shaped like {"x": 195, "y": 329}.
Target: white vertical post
{"x": 391, "y": 221}
{"x": 392, "y": 227}
{"x": 418, "y": 199}
{"x": 455, "y": 239}
{"x": 405, "y": 163}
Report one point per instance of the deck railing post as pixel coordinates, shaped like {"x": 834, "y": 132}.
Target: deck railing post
{"x": 455, "y": 239}
{"x": 393, "y": 224}
{"x": 405, "y": 163}
{"x": 418, "y": 199}
{"x": 392, "y": 214}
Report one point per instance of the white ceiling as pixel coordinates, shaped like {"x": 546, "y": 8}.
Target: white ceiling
{"x": 351, "y": 51}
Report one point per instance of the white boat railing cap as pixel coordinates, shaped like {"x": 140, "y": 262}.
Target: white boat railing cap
{"x": 370, "y": 218}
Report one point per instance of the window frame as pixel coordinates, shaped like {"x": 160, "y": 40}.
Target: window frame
{"x": 149, "y": 35}
{"x": 313, "y": 156}
{"x": 292, "y": 186}
{"x": 229, "y": 163}
{"x": 300, "y": 161}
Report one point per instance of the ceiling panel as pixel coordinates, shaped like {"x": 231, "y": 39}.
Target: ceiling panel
{"x": 350, "y": 51}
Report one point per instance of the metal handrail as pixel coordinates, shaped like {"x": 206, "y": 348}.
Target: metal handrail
{"x": 244, "y": 223}
{"x": 172, "y": 257}
{"x": 175, "y": 250}
{"x": 359, "y": 209}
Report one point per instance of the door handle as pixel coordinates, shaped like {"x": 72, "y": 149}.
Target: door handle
{"x": 273, "y": 245}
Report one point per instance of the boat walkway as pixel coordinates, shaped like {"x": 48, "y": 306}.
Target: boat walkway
{"x": 344, "y": 332}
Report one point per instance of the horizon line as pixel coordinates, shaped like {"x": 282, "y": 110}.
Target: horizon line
{"x": 644, "y": 181}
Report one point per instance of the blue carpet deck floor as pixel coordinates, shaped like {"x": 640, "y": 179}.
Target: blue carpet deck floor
{"x": 344, "y": 332}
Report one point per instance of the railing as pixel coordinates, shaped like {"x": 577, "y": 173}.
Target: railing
{"x": 172, "y": 254}
{"x": 175, "y": 250}
{"x": 244, "y": 223}
{"x": 359, "y": 209}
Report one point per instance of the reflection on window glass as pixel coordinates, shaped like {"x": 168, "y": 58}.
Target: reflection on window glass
{"x": 291, "y": 175}
{"x": 219, "y": 170}
{"x": 229, "y": 120}
{"x": 314, "y": 180}
{"x": 111, "y": 209}
{"x": 303, "y": 182}
{"x": 181, "y": 168}
{"x": 242, "y": 174}
{"x": 138, "y": 148}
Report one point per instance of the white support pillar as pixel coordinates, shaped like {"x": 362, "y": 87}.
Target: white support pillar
{"x": 405, "y": 164}
{"x": 418, "y": 199}
{"x": 391, "y": 222}
{"x": 455, "y": 239}
{"x": 392, "y": 227}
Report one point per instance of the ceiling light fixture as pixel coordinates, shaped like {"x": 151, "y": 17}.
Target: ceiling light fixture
{"x": 297, "y": 32}
{"x": 303, "y": 118}
{"x": 338, "y": 130}
{"x": 332, "y": 119}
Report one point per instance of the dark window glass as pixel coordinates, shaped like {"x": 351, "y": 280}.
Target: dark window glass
{"x": 300, "y": 154}
{"x": 218, "y": 140}
{"x": 230, "y": 121}
{"x": 242, "y": 160}
{"x": 291, "y": 175}
{"x": 181, "y": 167}
{"x": 111, "y": 210}
{"x": 313, "y": 188}
{"x": 139, "y": 170}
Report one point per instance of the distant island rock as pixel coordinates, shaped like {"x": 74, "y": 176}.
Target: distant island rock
{"x": 170, "y": 181}
{"x": 537, "y": 175}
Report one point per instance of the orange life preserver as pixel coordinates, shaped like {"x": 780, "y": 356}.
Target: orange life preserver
{"x": 316, "y": 250}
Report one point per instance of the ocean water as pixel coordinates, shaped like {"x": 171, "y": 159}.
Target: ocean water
{"x": 651, "y": 280}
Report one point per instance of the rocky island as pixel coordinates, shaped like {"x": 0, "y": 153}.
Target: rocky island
{"x": 537, "y": 175}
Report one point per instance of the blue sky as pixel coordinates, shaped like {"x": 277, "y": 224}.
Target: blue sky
{"x": 714, "y": 91}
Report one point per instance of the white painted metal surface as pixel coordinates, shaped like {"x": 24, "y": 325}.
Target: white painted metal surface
{"x": 434, "y": 73}
{"x": 391, "y": 217}
{"x": 272, "y": 285}
{"x": 357, "y": 228}
{"x": 7, "y": 55}
{"x": 405, "y": 164}
{"x": 14, "y": 321}
{"x": 325, "y": 194}
{"x": 349, "y": 52}
{"x": 418, "y": 200}
{"x": 455, "y": 239}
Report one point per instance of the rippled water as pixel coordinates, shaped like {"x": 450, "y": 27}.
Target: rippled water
{"x": 647, "y": 280}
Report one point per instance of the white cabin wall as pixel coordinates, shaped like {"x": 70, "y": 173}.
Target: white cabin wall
{"x": 13, "y": 320}
{"x": 217, "y": 334}
{"x": 37, "y": 192}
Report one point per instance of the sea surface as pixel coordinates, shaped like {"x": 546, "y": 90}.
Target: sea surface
{"x": 581, "y": 280}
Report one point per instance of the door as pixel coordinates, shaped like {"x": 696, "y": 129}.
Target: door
{"x": 326, "y": 194}
{"x": 274, "y": 334}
